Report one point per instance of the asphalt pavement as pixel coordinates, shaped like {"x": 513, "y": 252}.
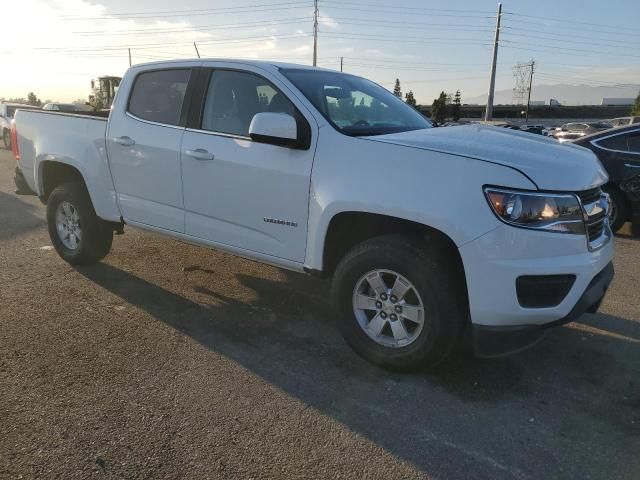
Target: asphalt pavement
{"x": 168, "y": 360}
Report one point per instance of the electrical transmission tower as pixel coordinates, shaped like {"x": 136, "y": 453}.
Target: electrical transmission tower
{"x": 522, "y": 73}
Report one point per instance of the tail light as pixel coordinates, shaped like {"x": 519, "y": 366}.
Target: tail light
{"x": 14, "y": 141}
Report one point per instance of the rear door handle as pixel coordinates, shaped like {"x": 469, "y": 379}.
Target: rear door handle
{"x": 630, "y": 165}
{"x": 199, "y": 154}
{"x": 124, "y": 141}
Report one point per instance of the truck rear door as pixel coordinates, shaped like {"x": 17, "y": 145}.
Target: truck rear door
{"x": 143, "y": 143}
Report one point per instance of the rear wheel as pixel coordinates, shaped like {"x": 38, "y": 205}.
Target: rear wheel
{"x": 6, "y": 139}
{"x": 618, "y": 209}
{"x": 77, "y": 234}
{"x": 400, "y": 302}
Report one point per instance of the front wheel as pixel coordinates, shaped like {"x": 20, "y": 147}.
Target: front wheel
{"x": 618, "y": 209}
{"x": 77, "y": 234}
{"x": 401, "y": 302}
{"x": 6, "y": 139}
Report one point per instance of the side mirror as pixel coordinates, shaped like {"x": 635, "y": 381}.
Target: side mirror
{"x": 276, "y": 129}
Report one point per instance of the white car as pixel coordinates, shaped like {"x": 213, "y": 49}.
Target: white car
{"x": 426, "y": 233}
{"x": 7, "y": 111}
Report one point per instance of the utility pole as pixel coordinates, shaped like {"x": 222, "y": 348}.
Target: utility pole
{"x": 341, "y": 60}
{"x": 526, "y": 115}
{"x": 488, "y": 115}
{"x": 129, "y": 56}
{"x": 196, "y": 47}
{"x": 315, "y": 32}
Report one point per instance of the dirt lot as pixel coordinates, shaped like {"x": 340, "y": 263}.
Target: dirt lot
{"x": 171, "y": 361}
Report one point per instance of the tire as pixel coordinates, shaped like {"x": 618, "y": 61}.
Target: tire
{"x": 6, "y": 139}
{"x": 427, "y": 266}
{"x": 95, "y": 235}
{"x": 618, "y": 210}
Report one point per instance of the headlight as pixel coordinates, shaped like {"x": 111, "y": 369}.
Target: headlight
{"x": 540, "y": 211}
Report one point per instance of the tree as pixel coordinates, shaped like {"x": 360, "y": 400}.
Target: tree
{"x": 33, "y": 100}
{"x": 396, "y": 90}
{"x": 439, "y": 108}
{"x": 455, "y": 107}
{"x": 410, "y": 99}
{"x": 636, "y": 106}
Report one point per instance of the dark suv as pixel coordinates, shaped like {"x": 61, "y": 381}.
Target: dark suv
{"x": 619, "y": 153}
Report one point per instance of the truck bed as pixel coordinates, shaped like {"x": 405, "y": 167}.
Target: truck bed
{"x": 77, "y": 140}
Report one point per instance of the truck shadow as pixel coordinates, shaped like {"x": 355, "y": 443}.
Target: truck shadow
{"x": 287, "y": 336}
{"x": 17, "y": 216}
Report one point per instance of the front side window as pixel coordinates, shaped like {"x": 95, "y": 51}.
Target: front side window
{"x": 355, "y": 106}
{"x": 157, "y": 96}
{"x": 233, "y": 98}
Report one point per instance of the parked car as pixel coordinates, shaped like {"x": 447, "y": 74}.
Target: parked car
{"x": 62, "y": 107}
{"x": 619, "y": 152}
{"x": 623, "y": 121}
{"x": 537, "y": 129}
{"x": 571, "y": 131}
{"x": 426, "y": 233}
{"x": 7, "y": 111}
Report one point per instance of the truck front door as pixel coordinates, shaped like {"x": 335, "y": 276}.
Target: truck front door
{"x": 237, "y": 192}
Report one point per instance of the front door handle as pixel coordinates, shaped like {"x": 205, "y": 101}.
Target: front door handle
{"x": 199, "y": 154}
{"x": 125, "y": 141}
{"x": 630, "y": 165}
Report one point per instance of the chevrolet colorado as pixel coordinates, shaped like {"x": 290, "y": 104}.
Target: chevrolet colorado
{"x": 427, "y": 233}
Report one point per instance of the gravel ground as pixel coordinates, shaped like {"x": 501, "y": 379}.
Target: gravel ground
{"x": 172, "y": 361}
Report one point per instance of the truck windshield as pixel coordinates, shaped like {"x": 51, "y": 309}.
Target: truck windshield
{"x": 355, "y": 106}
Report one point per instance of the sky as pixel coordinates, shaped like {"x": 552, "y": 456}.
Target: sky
{"x": 55, "y": 47}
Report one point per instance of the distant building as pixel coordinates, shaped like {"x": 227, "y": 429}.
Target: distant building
{"x": 534, "y": 103}
{"x": 554, "y": 103}
{"x": 617, "y": 101}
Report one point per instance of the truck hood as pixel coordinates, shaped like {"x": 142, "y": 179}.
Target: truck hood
{"x": 549, "y": 164}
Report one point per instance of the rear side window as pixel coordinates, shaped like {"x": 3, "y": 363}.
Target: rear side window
{"x": 634, "y": 142}
{"x": 157, "y": 96}
{"x": 617, "y": 142}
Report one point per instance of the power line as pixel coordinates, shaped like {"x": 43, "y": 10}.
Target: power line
{"x": 575, "y": 22}
{"x": 564, "y": 50}
{"x": 262, "y": 23}
{"x": 400, "y": 12}
{"x": 379, "y": 5}
{"x": 430, "y": 40}
{"x": 144, "y": 46}
{"x": 590, "y": 38}
{"x": 192, "y": 13}
{"x": 578, "y": 42}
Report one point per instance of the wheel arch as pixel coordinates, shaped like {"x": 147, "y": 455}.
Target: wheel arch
{"x": 52, "y": 173}
{"x": 349, "y": 228}
{"x": 611, "y": 186}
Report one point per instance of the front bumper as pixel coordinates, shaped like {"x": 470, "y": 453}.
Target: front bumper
{"x": 495, "y": 341}
{"x": 495, "y": 261}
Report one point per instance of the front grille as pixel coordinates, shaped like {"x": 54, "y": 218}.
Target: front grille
{"x": 595, "y": 213}
{"x": 589, "y": 196}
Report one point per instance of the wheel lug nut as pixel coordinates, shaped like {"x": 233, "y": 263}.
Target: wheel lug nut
{"x": 378, "y": 304}
{"x": 383, "y": 315}
{"x": 383, "y": 297}
{"x": 398, "y": 309}
{"x": 393, "y": 299}
{"x": 393, "y": 317}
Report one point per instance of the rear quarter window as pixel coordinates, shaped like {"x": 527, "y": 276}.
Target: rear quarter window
{"x": 157, "y": 96}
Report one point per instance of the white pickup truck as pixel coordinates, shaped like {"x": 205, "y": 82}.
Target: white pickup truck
{"x": 428, "y": 234}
